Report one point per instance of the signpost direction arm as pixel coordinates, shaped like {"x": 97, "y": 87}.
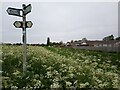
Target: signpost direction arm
{"x": 27, "y": 9}
{"x": 14, "y": 11}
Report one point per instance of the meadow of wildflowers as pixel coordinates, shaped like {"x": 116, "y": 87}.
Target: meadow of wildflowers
{"x": 51, "y": 67}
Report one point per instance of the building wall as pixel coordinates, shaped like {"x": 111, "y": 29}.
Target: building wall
{"x": 109, "y": 49}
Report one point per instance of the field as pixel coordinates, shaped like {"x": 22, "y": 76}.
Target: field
{"x": 53, "y": 67}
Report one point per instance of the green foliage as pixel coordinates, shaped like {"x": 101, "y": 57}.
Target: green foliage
{"x": 48, "y": 41}
{"x": 50, "y": 67}
{"x": 118, "y": 38}
{"x": 111, "y": 37}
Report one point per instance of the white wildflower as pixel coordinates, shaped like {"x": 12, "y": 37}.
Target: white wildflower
{"x": 55, "y": 85}
{"x": 68, "y": 83}
{"x": 82, "y": 85}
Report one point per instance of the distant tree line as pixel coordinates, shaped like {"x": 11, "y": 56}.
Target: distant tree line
{"x": 110, "y": 37}
{"x": 49, "y": 43}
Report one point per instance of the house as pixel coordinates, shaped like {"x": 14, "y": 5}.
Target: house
{"x": 100, "y": 45}
{"x": 96, "y": 43}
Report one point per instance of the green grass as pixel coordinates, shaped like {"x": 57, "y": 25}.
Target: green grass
{"x": 104, "y": 56}
{"x": 51, "y": 67}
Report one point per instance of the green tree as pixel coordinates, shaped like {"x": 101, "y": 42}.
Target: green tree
{"x": 111, "y": 37}
{"x": 48, "y": 41}
{"x": 118, "y": 38}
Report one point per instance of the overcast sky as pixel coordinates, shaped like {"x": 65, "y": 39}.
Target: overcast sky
{"x": 62, "y": 21}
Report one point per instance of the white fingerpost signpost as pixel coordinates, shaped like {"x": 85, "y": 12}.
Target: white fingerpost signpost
{"x": 22, "y": 24}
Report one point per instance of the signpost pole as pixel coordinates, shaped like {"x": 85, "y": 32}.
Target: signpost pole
{"x": 22, "y": 24}
{"x": 24, "y": 41}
